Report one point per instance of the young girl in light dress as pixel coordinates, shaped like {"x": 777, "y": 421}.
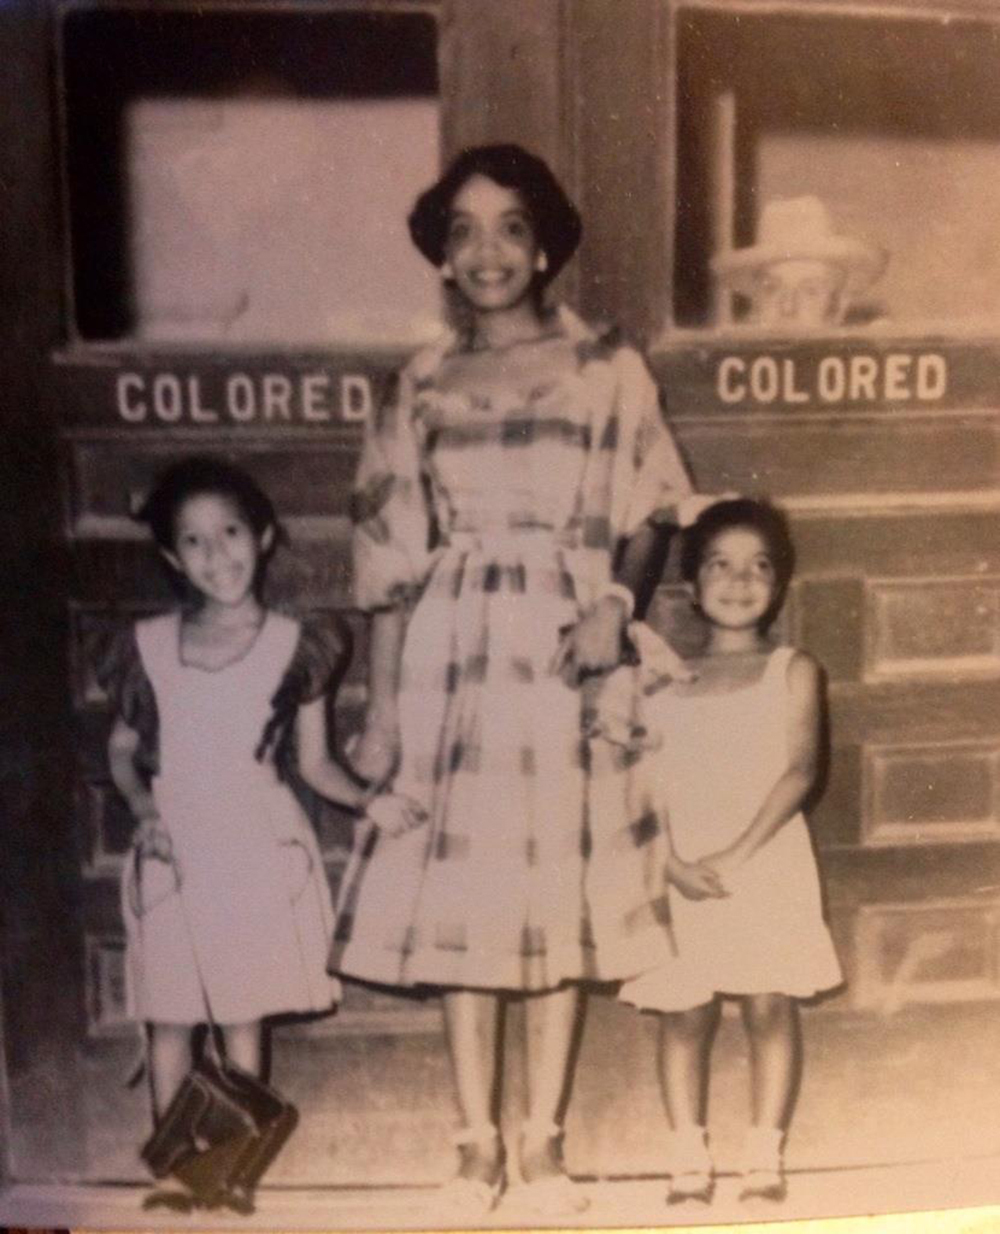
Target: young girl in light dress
{"x": 226, "y": 904}
{"x": 736, "y": 755}
{"x": 503, "y": 513}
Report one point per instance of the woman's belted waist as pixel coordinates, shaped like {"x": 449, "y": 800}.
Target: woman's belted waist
{"x": 510, "y": 540}
{"x": 537, "y": 546}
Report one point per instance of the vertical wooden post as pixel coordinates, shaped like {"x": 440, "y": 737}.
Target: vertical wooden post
{"x": 723, "y": 193}
{"x": 37, "y": 850}
{"x": 622, "y": 90}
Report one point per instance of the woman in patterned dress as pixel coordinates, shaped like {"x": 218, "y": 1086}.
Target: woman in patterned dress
{"x": 503, "y": 519}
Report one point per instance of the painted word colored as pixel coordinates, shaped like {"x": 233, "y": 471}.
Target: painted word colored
{"x": 242, "y": 398}
{"x": 834, "y": 380}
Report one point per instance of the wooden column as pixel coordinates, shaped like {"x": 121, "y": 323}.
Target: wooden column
{"x": 38, "y": 881}
{"x": 620, "y": 86}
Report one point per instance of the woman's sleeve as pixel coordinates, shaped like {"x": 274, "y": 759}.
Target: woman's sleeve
{"x": 390, "y": 504}
{"x": 120, "y": 673}
{"x": 652, "y": 479}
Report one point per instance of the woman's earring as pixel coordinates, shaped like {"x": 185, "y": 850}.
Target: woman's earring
{"x": 447, "y": 273}
{"x": 542, "y": 262}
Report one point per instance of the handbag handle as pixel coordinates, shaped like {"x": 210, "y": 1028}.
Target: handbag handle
{"x": 138, "y": 857}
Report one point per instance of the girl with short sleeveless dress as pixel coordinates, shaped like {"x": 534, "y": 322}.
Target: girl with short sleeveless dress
{"x": 730, "y": 759}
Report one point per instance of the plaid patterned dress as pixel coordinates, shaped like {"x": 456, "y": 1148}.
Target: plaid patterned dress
{"x": 492, "y": 490}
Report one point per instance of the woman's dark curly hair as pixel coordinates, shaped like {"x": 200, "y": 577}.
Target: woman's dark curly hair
{"x": 197, "y": 476}
{"x": 767, "y": 520}
{"x": 555, "y": 219}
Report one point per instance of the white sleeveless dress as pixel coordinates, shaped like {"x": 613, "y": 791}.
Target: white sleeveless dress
{"x": 252, "y": 914}
{"x": 721, "y": 755}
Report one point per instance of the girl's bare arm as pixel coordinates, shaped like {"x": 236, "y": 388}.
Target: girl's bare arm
{"x": 123, "y": 744}
{"x": 390, "y": 812}
{"x": 695, "y": 880}
{"x": 316, "y": 766}
{"x": 377, "y": 751}
{"x": 791, "y": 789}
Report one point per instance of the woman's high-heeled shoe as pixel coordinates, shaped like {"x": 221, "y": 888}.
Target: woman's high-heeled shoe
{"x": 482, "y": 1172}
{"x": 762, "y": 1166}
{"x": 545, "y": 1187}
{"x": 689, "y": 1163}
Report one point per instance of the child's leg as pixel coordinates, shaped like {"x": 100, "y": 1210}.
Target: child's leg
{"x": 685, "y": 1043}
{"x": 772, "y": 1026}
{"x": 169, "y": 1062}
{"x": 244, "y": 1045}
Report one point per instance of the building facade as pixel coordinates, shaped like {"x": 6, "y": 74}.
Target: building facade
{"x": 203, "y": 249}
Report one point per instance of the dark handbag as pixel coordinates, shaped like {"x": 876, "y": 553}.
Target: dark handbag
{"x": 220, "y": 1133}
{"x": 223, "y": 1127}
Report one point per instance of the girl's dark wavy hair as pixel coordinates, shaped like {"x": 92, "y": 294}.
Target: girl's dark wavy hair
{"x": 767, "y": 520}
{"x": 197, "y": 476}
{"x": 556, "y": 221}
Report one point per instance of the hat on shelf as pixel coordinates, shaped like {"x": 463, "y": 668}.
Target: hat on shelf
{"x": 799, "y": 228}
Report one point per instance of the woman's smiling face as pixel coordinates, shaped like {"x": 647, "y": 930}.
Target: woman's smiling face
{"x": 491, "y": 246}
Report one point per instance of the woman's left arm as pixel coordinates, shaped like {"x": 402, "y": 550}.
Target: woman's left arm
{"x": 648, "y": 481}
{"x": 790, "y": 790}
{"x": 594, "y": 643}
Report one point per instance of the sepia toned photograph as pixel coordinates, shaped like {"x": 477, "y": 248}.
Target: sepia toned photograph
{"x": 500, "y": 512}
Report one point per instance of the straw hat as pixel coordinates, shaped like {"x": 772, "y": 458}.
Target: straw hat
{"x": 795, "y": 228}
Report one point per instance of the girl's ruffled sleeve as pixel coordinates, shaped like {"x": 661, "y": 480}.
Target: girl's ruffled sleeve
{"x": 390, "y": 503}
{"x": 651, "y": 481}
{"x": 120, "y": 673}
{"x": 316, "y": 669}
{"x": 321, "y": 658}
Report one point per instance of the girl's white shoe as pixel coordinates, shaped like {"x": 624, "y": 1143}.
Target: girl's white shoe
{"x": 690, "y": 1165}
{"x": 762, "y": 1165}
{"x": 476, "y": 1188}
{"x": 545, "y": 1187}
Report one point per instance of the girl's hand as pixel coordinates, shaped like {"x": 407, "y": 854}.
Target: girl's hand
{"x": 696, "y": 880}
{"x": 374, "y": 753}
{"x": 726, "y": 865}
{"x": 150, "y": 840}
{"x": 395, "y": 814}
{"x": 593, "y": 645}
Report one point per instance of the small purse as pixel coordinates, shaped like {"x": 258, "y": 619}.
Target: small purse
{"x": 224, "y": 1127}
{"x": 219, "y": 1134}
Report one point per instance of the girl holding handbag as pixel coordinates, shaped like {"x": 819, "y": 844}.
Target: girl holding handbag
{"x": 227, "y": 909}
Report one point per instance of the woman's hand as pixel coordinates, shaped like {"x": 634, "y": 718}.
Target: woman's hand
{"x": 395, "y": 814}
{"x": 695, "y": 880}
{"x": 374, "y": 753}
{"x": 593, "y": 645}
